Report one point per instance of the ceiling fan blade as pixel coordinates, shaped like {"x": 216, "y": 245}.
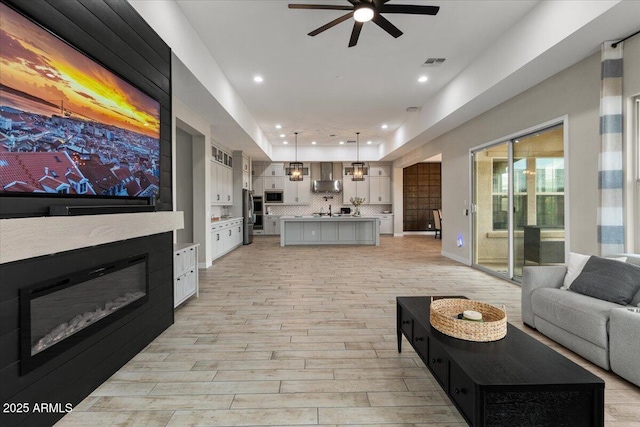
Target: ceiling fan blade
{"x": 383, "y": 23}
{"x": 410, "y": 9}
{"x": 379, "y": 3}
{"x": 331, "y": 24}
{"x": 319, "y": 6}
{"x": 355, "y": 33}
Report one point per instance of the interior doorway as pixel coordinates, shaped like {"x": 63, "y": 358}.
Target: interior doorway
{"x": 519, "y": 202}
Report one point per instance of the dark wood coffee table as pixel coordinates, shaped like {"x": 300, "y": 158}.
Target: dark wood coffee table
{"x": 516, "y": 381}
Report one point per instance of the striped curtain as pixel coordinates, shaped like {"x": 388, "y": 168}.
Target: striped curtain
{"x": 610, "y": 177}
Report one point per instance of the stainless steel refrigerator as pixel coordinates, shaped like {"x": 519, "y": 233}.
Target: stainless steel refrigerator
{"x": 247, "y": 215}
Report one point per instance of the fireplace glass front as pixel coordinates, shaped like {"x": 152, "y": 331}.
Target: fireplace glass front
{"x": 58, "y": 314}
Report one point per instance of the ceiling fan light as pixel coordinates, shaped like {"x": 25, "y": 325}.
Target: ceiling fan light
{"x": 363, "y": 14}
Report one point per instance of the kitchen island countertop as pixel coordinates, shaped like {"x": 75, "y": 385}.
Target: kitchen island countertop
{"x": 329, "y": 230}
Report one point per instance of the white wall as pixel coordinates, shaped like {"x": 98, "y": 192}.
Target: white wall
{"x": 574, "y": 92}
{"x": 184, "y": 183}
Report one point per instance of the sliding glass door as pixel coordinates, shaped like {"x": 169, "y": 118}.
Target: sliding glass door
{"x": 491, "y": 208}
{"x": 518, "y": 203}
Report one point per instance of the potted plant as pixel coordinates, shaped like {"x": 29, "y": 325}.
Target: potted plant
{"x": 356, "y": 202}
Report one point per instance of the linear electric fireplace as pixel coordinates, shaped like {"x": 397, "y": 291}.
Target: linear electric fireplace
{"x": 58, "y": 314}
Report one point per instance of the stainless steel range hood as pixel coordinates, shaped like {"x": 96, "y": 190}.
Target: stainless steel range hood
{"x": 326, "y": 183}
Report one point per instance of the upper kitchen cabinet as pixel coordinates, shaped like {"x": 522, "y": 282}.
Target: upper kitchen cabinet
{"x": 273, "y": 183}
{"x": 274, "y": 169}
{"x": 221, "y": 177}
{"x": 246, "y": 173}
{"x": 258, "y": 169}
{"x": 380, "y": 170}
{"x": 353, "y": 189}
{"x": 298, "y": 192}
{"x": 380, "y": 190}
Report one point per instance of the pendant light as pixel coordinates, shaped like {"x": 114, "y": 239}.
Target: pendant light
{"x": 295, "y": 168}
{"x": 358, "y": 166}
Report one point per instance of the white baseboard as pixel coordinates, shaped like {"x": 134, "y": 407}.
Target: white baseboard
{"x": 204, "y": 265}
{"x": 398, "y": 234}
{"x": 455, "y": 257}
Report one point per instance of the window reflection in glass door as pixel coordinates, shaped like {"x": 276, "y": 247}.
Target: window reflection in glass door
{"x": 491, "y": 208}
{"x": 539, "y": 232}
{"x": 518, "y": 203}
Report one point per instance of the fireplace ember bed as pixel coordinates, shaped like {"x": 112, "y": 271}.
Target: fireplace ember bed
{"x": 57, "y": 314}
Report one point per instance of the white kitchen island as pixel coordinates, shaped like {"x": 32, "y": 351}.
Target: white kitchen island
{"x": 326, "y": 230}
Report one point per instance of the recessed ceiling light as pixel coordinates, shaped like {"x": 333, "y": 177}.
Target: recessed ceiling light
{"x": 258, "y": 79}
{"x": 313, "y": 143}
{"x": 341, "y": 142}
{"x": 384, "y": 126}
{"x": 368, "y": 142}
{"x": 282, "y": 135}
{"x": 285, "y": 142}
{"x": 423, "y": 79}
{"x": 278, "y": 126}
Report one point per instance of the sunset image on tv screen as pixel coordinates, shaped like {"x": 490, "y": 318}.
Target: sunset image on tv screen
{"x": 67, "y": 124}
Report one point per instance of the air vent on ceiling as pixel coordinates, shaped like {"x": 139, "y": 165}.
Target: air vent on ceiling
{"x": 413, "y": 109}
{"x": 351, "y": 142}
{"x": 433, "y": 62}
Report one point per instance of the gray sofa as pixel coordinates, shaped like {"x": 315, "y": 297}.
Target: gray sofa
{"x": 582, "y": 323}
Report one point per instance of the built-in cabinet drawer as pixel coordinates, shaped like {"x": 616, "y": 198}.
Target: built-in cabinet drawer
{"x": 406, "y": 325}
{"x": 461, "y": 390}
{"x": 185, "y": 272}
{"x": 438, "y": 362}
{"x": 421, "y": 341}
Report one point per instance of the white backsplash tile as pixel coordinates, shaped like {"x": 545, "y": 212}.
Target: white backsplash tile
{"x": 317, "y": 202}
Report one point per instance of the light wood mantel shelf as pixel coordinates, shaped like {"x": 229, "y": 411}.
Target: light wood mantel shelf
{"x": 23, "y": 238}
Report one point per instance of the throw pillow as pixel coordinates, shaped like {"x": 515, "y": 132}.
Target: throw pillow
{"x": 575, "y": 266}
{"x": 608, "y": 280}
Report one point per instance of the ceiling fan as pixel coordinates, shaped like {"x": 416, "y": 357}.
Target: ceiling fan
{"x": 367, "y": 10}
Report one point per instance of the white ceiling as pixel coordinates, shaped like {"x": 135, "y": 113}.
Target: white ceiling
{"x": 319, "y": 87}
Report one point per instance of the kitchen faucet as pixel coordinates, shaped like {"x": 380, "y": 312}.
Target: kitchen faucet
{"x": 330, "y": 210}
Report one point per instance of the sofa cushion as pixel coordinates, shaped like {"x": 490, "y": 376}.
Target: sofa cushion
{"x": 581, "y": 315}
{"x": 608, "y": 280}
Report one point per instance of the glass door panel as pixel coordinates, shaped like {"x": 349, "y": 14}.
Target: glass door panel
{"x": 491, "y": 208}
{"x": 538, "y": 199}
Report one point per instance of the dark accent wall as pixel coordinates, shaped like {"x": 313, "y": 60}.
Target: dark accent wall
{"x": 74, "y": 374}
{"x": 112, "y": 33}
{"x": 422, "y": 192}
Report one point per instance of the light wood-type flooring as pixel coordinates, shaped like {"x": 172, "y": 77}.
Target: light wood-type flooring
{"x": 306, "y": 336}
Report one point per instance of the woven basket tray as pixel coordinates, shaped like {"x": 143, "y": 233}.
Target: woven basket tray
{"x": 444, "y": 317}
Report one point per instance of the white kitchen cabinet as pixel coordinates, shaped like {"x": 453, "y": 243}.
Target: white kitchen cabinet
{"x": 271, "y": 225}
{"x": 380, "y": 170}
{"x": 258, "y": 186}
{"x": 273, "y": 183}
{"x": 222, "y": 185}
{"x": 380, "y": 190}
{"x": 257, "y": 169}
{"x": 274, "y": 169}
{"x": 226, "y": 236}
{"x": 297, "y": 192}
{"x": 246, "y": 180}
{"x": 354, "y": 189}
{"x": 386, "y": 224}
{"x": 245, "y": 164}
{"x": 229, "y": 185}
{"x": 185, "y": 272}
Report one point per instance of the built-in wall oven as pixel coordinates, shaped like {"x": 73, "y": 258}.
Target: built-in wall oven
{"x": 258, "y": 212}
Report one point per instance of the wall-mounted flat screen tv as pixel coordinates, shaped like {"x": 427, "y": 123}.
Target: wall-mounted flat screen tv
{"x": 67, "y": 124}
